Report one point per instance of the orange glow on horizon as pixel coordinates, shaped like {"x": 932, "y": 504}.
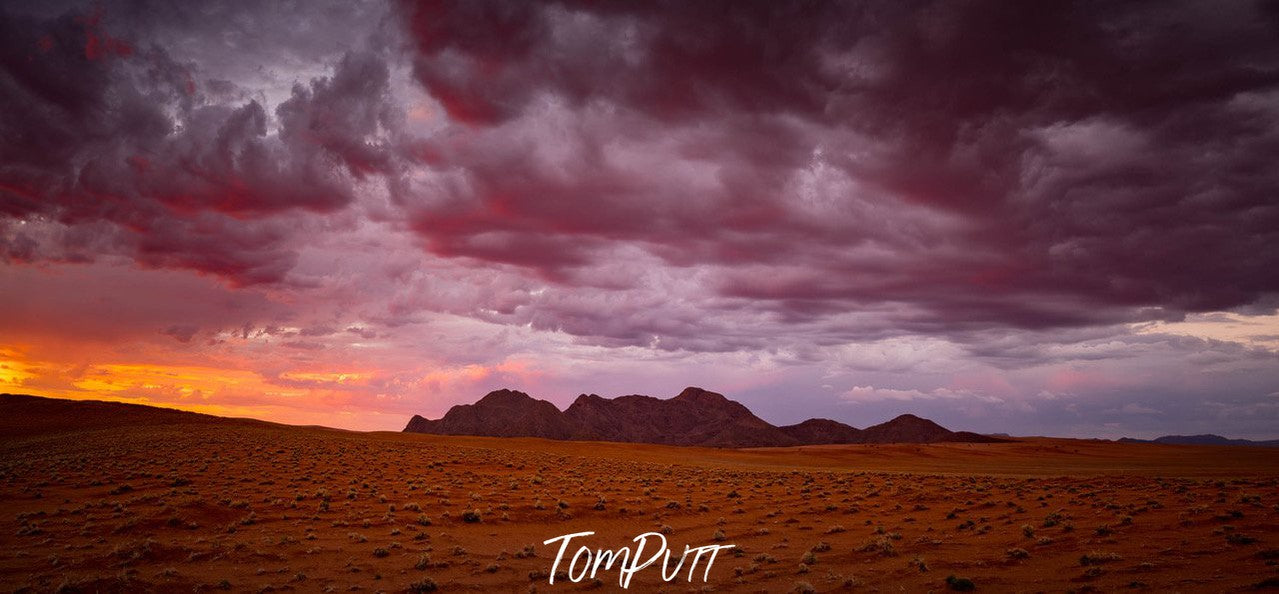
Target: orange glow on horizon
{"x": 348, "y": 397}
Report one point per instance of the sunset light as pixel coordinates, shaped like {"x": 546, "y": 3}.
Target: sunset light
{"x": 484, "y": 295}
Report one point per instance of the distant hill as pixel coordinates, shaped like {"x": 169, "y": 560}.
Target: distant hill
{"x": 1205, "y": 439}
{"x": 22, "y": 415}
{"x": 824, "y": 431}
{"x": 694, "y": 417}
{"x": 503, "y": 413}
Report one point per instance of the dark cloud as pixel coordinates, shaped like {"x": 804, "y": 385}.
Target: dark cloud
{"x": 672, "y": 61}
{"x": 965, "y": 166}
{"x": 983, "y": 164}
{"x": 960, "y": 207}
{"x": 181, "y": 332}
{"x": 127, "y": 145}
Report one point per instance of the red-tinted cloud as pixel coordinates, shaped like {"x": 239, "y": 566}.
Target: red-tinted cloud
{"x": 126, "y": 150}
{"x": 968, "y": 207}
{"x": 984, "y": 164}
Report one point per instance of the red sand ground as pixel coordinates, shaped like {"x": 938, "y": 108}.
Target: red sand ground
{"x": 135, "y": 501}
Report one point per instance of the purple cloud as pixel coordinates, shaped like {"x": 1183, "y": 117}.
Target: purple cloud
{"x": 967, "y": 208}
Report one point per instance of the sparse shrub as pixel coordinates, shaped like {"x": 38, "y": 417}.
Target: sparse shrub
{"x": 423, "y": 585}
{"x": 1235, "y": 538}
{"x": 960, "y": 584}
{"x": 881, "y": 545}
{"x": 1095, "y": 558}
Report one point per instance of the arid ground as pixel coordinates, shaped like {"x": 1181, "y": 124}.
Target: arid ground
{"x": 103, "y": 498}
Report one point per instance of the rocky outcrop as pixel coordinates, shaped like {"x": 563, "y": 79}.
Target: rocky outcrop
{"x": 694, "y": 417}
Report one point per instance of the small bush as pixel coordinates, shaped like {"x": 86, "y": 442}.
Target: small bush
{"x": 1095, "y": 558}
{"x": 960, "y": 584}
{"x": 881, "y": 545}
{"x": 1235, "y": 538}
{"x": 423, "y": 585}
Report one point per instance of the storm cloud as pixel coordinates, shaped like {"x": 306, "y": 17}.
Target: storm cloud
{"x": 989, "y": 210}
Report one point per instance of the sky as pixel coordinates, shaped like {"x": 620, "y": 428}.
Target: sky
{"x": 1031, "y": 218}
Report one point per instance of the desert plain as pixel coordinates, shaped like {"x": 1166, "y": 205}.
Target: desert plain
{"x": 102, "y": 497}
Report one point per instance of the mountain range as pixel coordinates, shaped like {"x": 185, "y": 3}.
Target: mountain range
{"x": 695, "y": 417}
{"x": 1205, "y": 439}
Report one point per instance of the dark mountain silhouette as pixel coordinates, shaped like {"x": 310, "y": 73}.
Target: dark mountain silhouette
{"x": 694, "y": 417}
{"x": 814, "y": 431}
{"x": 1205, "y": 439}
{"x": 503, "y": 413}
{"x": 22, "y": 414}
{"x": 907, "y": 428}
